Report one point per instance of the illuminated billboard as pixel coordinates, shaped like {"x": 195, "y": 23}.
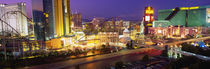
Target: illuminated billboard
{"x": 149, "y": 10}
{"x": 208, "y": 15}
{"x": 149, "y": 16}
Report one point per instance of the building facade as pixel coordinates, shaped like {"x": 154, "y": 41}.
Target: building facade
{"x": 15, "y": 16}
{"x": 39, "y": 24}
{"x": 98, "y": 22}
{"x": 108, "y": 37}
{"x": 57, "y": 14}
{"x": 188, "y": 16}
{"x": 125, "y": 38}
{"x": 76, "y": 21}
{"x": 175, "y": 31}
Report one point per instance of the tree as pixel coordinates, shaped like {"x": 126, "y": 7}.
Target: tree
{"x": 129, "y": 45}
{"x": 77, "y": 52}
{"x": 145, "y": 58}
{"x": 119, "y": 65}
{"x": 189, "y": 48}
{"x": 164, "y": 53}
{"x": 105, "y": 49}
{"x": 103, "y": 46}
{"x": 194, "y": 66}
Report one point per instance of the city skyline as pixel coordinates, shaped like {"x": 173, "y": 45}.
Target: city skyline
{"x": 129, "y": 10}
{"x": 104, "y": 34}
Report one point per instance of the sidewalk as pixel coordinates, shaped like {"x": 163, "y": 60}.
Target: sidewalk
{"x": 69, "y": 63}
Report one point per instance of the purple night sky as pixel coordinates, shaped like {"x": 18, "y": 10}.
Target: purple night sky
{"x": 129, "y": 9}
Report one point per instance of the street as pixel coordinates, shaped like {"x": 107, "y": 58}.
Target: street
{"x": 101, "y": 60}
{"x": 108, "y": 62}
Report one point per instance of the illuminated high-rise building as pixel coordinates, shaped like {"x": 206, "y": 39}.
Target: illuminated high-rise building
{"x": 39, "y": 24}
{"x": 59, "y": 18}
{"x": 38, "y": 19}
{"x": 57, "y": 13}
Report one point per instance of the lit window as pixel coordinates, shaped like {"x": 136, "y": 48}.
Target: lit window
{"x": 147, "y": 18}
{"x": 186, "y": 31}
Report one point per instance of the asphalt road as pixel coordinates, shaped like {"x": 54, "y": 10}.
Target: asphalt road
{"x": 183, "y": 41}
{"x": 111, "y": 58}
{"x": 193, "y": 54}
{"x": 108, "y": 62}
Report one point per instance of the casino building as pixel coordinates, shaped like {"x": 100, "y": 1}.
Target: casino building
{"x": 181, "y": 22}
{"x": 187, "y": 16}
{"x": 57, "y": 13}
{"x": 56, "y": 25}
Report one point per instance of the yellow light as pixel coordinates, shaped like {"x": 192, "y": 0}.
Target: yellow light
{"x": 149, "y": 11}
{"x": 184, "y": 8}
{"x": 135, "y": 47}
{"x": 188, "y": 8}
{"x": 192, "y": 43}
{"x": 152, "y": 18}
{"x": 32, "y": 57}
{"x": 149, "y": 8}
{"x": 173, "y": 9}
{"x": 46, "y": 15}
{"x": 207, "y": 44}
{"x": 197, "y": 7}
{"x": 149, "y": 24}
